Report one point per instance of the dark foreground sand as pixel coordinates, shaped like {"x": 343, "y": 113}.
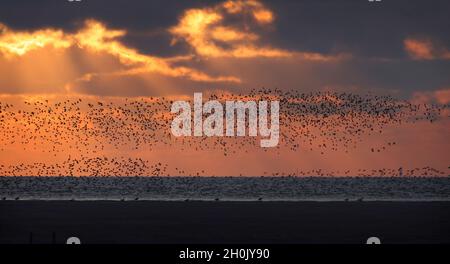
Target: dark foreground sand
{"x": 224, "y": 222}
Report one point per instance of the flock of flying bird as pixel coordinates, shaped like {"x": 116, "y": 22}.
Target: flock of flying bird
{"x": 79, "y": 133}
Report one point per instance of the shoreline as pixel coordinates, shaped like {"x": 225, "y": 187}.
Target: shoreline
{"x": 156, "y": 222}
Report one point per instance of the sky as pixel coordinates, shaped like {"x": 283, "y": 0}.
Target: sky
{"x": 114, "y": 50}
{"x": 395, "y": 46}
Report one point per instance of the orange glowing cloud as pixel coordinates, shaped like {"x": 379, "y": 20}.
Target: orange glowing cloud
{"x": 443, "y": 96}
{"x": 95, "y": 37}
{"x": 227, "y": 34}
{"x": 261, "y": 14}
{"x": 19, "y": 43}
{"x": 423, "y": 49}
{"x": 104, "y": 62}
{"x": 205, "y": 31}
{"x": 439, "y": 96}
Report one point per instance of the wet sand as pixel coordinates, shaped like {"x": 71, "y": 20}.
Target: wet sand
{"x": 223, "y": 222}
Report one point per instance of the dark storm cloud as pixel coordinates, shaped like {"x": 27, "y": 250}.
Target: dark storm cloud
{"x": 369, "y": 29}
{"x": 403, "y": 77}
{"x": 373, "y": 33}
{"x": 364, "y": 28}
{"x": 146, "y": 21}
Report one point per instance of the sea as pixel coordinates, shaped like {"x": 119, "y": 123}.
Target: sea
{"x": 226, "y": 188}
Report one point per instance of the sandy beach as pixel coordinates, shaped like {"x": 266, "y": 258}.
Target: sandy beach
{"x": 149, "y": 222}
